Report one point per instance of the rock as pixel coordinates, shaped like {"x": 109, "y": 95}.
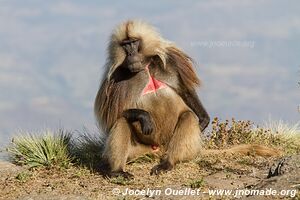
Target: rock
{"x": 7, "y": 169}
{"x": 283, "y": 176}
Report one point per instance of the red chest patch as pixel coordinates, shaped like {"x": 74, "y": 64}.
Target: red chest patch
{"x": 153, "y": 84}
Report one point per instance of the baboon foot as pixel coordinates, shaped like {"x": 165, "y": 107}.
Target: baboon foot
{"x": 160, "y": 168}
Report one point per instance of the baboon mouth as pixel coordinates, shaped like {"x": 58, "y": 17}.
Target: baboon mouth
{"x": 136, "y": 67}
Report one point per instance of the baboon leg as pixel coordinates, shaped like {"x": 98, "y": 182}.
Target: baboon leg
{"x": 121, "y": 146}
{"x": 117, "y": 147}
{"x": 184, "y": 144}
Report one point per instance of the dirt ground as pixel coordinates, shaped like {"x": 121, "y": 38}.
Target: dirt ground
{"x": 191, "y": 180}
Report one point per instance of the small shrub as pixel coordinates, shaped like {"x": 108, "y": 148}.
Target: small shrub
{"x": 273, "y": 133}
{"x": 45, "y": 149}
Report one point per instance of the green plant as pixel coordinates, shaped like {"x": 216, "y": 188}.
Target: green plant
{"x": 44, "y": 149}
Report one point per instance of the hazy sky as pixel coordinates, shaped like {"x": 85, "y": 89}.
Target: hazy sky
{"x": 52, "y": 55}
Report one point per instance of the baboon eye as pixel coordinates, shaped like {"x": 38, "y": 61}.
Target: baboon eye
{"x": 131, "y": 46}
{"x": 128, "y": 41}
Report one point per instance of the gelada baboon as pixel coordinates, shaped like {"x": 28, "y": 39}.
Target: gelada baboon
{"x": 147, "y": 100}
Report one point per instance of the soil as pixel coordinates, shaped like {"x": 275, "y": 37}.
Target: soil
{"x": 194, "y": 179}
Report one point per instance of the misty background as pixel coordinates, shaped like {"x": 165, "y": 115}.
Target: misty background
{"x": 52, "y": 55}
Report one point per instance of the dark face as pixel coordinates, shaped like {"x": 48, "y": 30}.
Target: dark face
{"x": 134, "y": 60}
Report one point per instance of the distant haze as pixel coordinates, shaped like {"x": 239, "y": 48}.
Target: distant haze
{"x": 52, "y": 55}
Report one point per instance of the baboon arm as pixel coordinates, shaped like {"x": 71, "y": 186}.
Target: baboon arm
{"x": 191, "y": 98}
{"x": 142, "y": 116}
{"x": 184, "y": 79}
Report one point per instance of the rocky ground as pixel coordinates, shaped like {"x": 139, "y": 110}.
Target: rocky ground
{"x": 191, "y": 180}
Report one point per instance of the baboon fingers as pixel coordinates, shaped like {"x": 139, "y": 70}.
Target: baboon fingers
{"x": 147, "y": 128}
{"x": 142, "y": 116}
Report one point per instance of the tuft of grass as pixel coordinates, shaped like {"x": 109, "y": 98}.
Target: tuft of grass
{"x": 284, "y": 135}
{"x": 44, "y": 149}
{"x": 87, "y": 149}
{"x": 274, "y": 134}
{"x": 281, "y": 127}
{"x": 58, "y": 148}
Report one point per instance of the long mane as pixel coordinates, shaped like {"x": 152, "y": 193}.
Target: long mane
{"x": 110, "y": 102}
{"x": 183, "y": 64}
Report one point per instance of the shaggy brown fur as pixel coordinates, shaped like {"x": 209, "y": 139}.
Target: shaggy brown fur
{"x": 177, "y": 115}
{"x": 113, "y": 97}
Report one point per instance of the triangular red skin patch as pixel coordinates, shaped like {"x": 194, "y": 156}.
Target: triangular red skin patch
{"x": 153, "y": 84}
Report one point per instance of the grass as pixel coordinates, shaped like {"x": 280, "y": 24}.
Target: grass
{"x": 273, "y": 133}
{"x": 49, "y": 148}
{"x": 287, "y": 136}
{"x": 56, "y": 148}
{"x": 87, "y": 149}
{"x": 44, "y": 149}
{"x": 61, "y": 163}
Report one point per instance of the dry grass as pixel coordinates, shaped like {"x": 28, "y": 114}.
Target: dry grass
{"x": 47, "y": 152}
{"x": 49, "y": 148}
{"x": 87, "y": 149}
{"x": 274, "y": 134}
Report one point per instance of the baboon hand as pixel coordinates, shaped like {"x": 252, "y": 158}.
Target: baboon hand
{"x": 147, "y": 128}
{"x": 133, "y": 115}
